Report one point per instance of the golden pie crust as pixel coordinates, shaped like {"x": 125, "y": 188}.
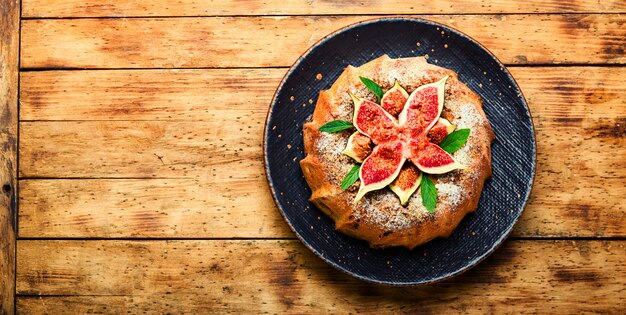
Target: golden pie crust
{"x": 379, "y": 218}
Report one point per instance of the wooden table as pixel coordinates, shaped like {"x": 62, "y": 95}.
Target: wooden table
{"x": 134, "y": 163}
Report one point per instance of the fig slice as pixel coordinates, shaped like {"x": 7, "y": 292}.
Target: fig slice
{"x": 423, "y": 108}
{"x": 381, "y": 167}
{"x": 407, "y": 182}
{"x": 432, "y": 159}
{"x": 373, "y": 121}
{"x": 440, "y": 130}
{"x": 414, "y": 135}
{"x": 358, "y": 147}
{"x": 393, "y": 100}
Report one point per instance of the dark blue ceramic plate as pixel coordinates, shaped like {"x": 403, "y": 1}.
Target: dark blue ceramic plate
{"x": 503, "y": 197}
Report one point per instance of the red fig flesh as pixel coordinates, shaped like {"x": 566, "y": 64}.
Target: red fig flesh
{"x": 432, "y": 159}
{"x": 373, "y": 121}
{"x": 440, "y": 130}
{"x": 407, "y": 182}
{"x": 358, "y": 147}
{"x": 393, "y": 100}
{"x": 423, "y": 108}
{"x": 414, "y": 136}
{"x": 381, "y": 167}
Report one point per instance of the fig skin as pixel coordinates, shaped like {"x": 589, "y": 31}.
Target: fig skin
{"x": 373, "y": 121}
{"x": 406, "y": 183}
{"x": 434, "y": 160}
{"x": 359, "y": 147}
{"x": 381, "y": 168}
{"x": 402, "y": 139}
{"x": 440, "y": 131}
{"x": 323, "y": 171}
{"x": 393, "y": 100}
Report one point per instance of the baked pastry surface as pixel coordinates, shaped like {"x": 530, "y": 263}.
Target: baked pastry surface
{"x": 378, "y": 217}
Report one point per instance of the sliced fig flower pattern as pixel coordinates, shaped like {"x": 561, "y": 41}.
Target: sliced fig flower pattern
{"x": 403, "y": 147}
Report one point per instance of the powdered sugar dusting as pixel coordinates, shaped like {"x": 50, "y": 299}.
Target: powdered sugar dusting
{"x": 467, "y": 116}
{"x": 344, "y": 110}
{"x": 331, "y": 143}
{"x": 463, "y": 154}
{"x": 392, "y": 76}
{"x": 449, "y": 193}
{"x": 383, "y": 209}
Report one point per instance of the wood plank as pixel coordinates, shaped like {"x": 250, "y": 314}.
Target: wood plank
{"x": 173, "y": 208}
{"x": 220, "y": 41}
{"x": 123, "y": 149}
{"x": 552, "y": 92}
{"x": 100, "y": 8}
{"x": 181, "y": 208}
{"x": 232, "y": 139}
{"x": 186, "y": 95}
{"x": 283, "y": 276}
{"x": 9, "y": 54}
{"x": 558, "y": 93}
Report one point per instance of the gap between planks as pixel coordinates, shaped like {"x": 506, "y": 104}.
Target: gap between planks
{"x": 278, "y": 238}
{"x": 96, "y": 8}
{"x": 511, "y": 65}
{"x": 390, "y": 15}
{"x": 41, "y": 94}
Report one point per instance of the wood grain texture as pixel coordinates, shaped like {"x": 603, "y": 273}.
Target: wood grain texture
{"x": 278, "y": 41}
{"x": 572, "y": 94}
{"x": 283, "y": 276}
{"x": 158, "y": 208}
{"x": 210, "y": 151}
{"x": 184, "y": 95}
{"x": 191, "y": 95}
{"x": 9, "y": 51}
{"x": 100, "y": 8}
{"x": 587, "y": 105}
{"x": 231, "y": 140}
{"x": 181, "y": 208}
{"x": 575, "y": 109}
{"x": 176, "y": 153}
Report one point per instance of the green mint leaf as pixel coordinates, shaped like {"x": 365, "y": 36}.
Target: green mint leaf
{"x": 372, "y": 86}
{"x": 351, "y": 178}
{"x": 455, "y": 140}
{"x": 336, "y": 126}
{"x": 429, "y": 193}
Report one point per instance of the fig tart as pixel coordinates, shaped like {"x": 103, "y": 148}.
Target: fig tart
{"x": 397, "y": 152}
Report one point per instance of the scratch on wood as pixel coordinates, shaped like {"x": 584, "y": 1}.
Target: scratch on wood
{"x": 160, "y": 157}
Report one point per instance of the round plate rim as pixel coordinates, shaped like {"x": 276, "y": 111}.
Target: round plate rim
{"x": 266, "y": 167}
